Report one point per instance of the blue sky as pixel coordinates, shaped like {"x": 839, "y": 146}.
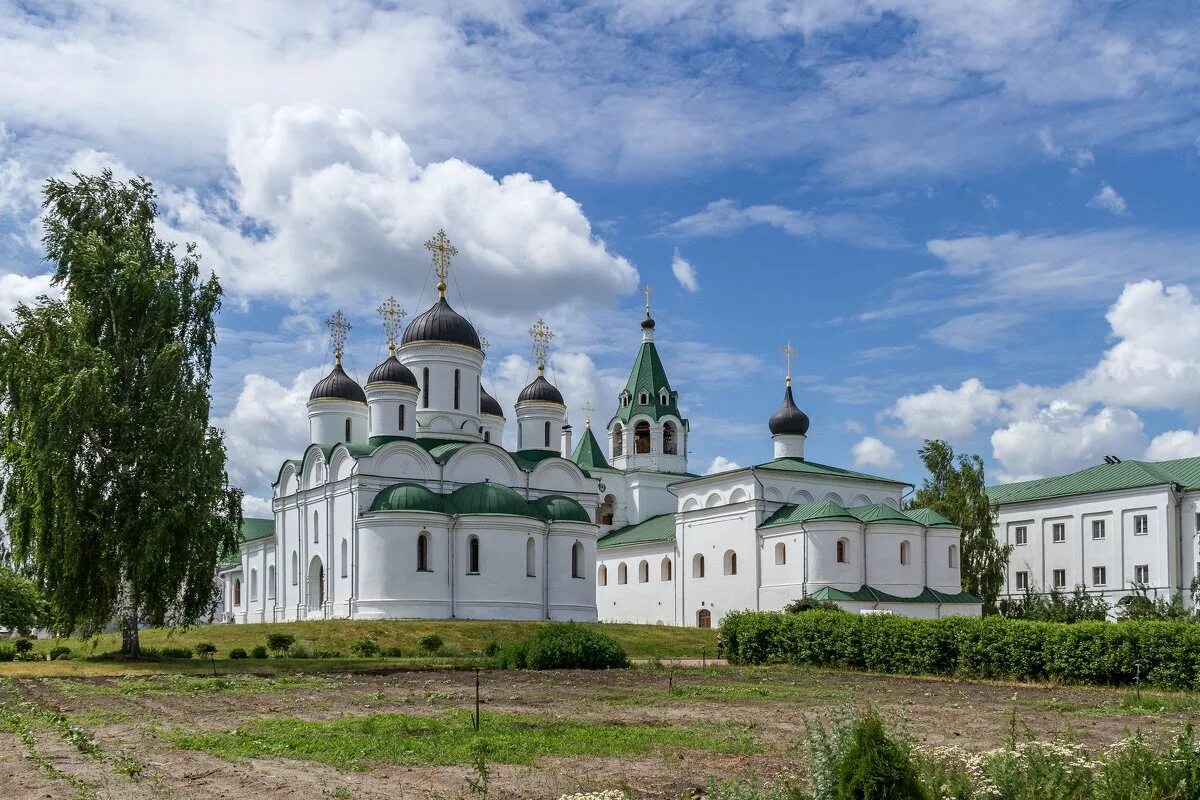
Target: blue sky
{"x": 974, "y": 221}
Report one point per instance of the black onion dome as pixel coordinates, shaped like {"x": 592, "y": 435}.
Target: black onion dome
{"x": 648, "y": 322}
{"x": 441, "y": 323}
{"x": 789, "y": 419}
{"x": 489, "y": 404}
{"x": 337, "y": 385}
{"x": 392, "y": 371}
{"x": 541, "y": 391}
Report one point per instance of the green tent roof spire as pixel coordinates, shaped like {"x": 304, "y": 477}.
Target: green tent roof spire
{"x": 588, "y": 453}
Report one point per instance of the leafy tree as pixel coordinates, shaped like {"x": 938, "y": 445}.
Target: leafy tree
{"x": 116, "y": 492}
{"x": 955, "y": 489}
{"x": 876, "y": 767}
{"x": 1055, "y": 606}
{"x": 279, "y": 643}
{"x": 21, "y": 605}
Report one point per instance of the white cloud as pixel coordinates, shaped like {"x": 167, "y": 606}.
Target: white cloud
{"x": 725, "y": 217}
{"x": 684, "y": 272}
{"x": 1108, "y": 199}
{"x": 941, "y": 413}
{"x": 871, "y": 452}
{"x": 15, "y": 289}
{"x": 721, "y": 464}
{"x": 1174, "y": 444}
{"x": 990, "y": 201}
{"x": 974, "y": 333}
{"x": 1062, "y": 437}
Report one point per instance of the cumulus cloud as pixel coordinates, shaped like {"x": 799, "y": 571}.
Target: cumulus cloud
{"x": 721, "y": 464}
{"x": 684, "y": 272}
{"x": 1174, "y": 444}
{"x": 1063, "y": 437}
{"x": 16, "y": 289}
{"x": 942, "y": 413}
{"x": 870, "y": 452}
{"x": 1108, "y": 199}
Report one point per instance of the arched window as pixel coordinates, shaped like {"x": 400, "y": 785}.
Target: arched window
{"x": 730, "y": 562}
{"x": 473, "y": 555}
{"x": 644, "y": 571}
{"x": 905, "y": 549}
{"x": 622, "y": 573}
{"x": 641, "y": 437}
{"x": 618, "y": 440}
{"x": 316, "y": 528}
{"x": 698, "y": 566}
{"x": 780, "y": 554}
{"x": 271, "y": 582}
{"x": 425, "y": 388}
{"x": 953, "y": 556}
{"x": 345, "y": 559}
{"x": 602, "y": 576}
{"x": 401, "y": 416}
{"x": 547, "y": 434}
{"x": 423, "y": 552}
{"x": 487, "y": 436}
{"x": 704, "y": 618}
{"x": 530, "y": 558}
{"x": 347, "y": 429}
{"x": 457, "y": 387}
{"x": 295, "y": 568}
{"x": 253, "y": 585}
{"x": 577, "y": 560}
{"x": 237, "y": 591}
{"x": 662, "y": 398}
{"x": 643, "y": 399}
{"x": 843, "y": 554}
{"x": 604, "y": 514}
{"x": 665, "y": 569}
{"x": 669, "y": 446}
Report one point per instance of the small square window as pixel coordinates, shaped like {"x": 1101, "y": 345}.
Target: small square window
{"x": 1059, "y": 532}
{"x": 1022, "y": 581}
{"x": 1097, "y": 529}
{"x": 1099, "y": 576}
{"x": 1021, "y": 535}
{"x": 1141, "y": 523}
{"x": 1060, "y": 578}
{"x": 1141, "y": 573}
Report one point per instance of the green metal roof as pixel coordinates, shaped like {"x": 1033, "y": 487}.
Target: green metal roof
{"x": 254, "y": 529}
{"x": 807, "y": 512}
{"x": 881, "y": 513}
{"x": 1183, "y": 472}
{"x": 408, "y": 497}
{"x": 490, "y": 498}
{"x": 655, "y": 529}
{"x": 556, "y": 507}
{"x": 813, "y": 468}
{"x": 929, "y": 518}
{"x": 867, "y": 594}
{"x": 648, "y": 375}
{"x": 588, "y": 453}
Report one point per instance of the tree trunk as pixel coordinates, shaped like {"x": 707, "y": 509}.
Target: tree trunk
{"x": 131, "y": 646}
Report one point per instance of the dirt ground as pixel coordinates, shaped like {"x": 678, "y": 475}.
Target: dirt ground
{"x": 772, "y": 704}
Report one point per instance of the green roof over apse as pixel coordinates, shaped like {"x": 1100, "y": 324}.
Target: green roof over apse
{"x": 649, "y": 376}
{"x": 826, "y": 510}
{"x": 588, "y": 453}
{"x": 252, "y": 530}
{"x": 654, "y": 529}
{"x": 1183, "y": 472}
{"x": 408, "y": 497}
{"x": 558, "y": 508}
{"x": 490, "y": 498}
{"x": 882, "y": 514}
{"x": 868, "y": 594}
{"x": 929, "y": 518}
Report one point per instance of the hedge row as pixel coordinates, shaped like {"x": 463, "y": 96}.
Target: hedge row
{"x": 993, "y": 647}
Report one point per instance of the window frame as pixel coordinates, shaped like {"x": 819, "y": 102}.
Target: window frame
{"x": 473, "y": 557}
{"x": 1099, "y": 530}
{"x": 1020, "y": 535}
{"x": 1144, "y": 571}
{"x": 1021, "y": 580}
{"x": 1141, "y": 524}
{"x": 1057, "y": 528}
{"x": 1100, "y": 576}
{"x": 1054, "y": 578}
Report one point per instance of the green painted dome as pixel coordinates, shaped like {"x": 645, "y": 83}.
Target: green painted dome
{"x": 408, "y": 497}
{"x": 490, "y": 498}
{"x": 560, "y": 509}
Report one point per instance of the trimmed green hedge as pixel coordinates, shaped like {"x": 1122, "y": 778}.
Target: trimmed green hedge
{"x": 992, "y": 647}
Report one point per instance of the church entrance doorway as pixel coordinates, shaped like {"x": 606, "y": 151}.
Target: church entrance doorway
{"x": 316, "y": 584}
{"x": 703, "y": 618}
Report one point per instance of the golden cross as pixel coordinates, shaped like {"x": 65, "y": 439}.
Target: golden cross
{"x": 647, "y": 290}
{"x": 788, "y": 351}
{"x": 442, "y": 252}
{"x": 542, "y": 335}
{"x": 588, "y": 408}
{"x": 484, "y": 344}
{"x": 393, "y": 319}
{"x": 338, "y": 326}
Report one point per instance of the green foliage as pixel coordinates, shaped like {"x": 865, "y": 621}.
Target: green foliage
{"x": 809, "y": 604}
{"x": 7, "y": 653}
{"x": 258, "y": 651}
{"x": 992, "y": 647}
{"x": 430, "y": 643}
{"x": 21, "y": 604}
{"x": 876, "y": 767}
{"x": 278, "y": 643}
{"x": 60, "y": 653}
{"x": 206, "y": 649}
{"x": 1055, "y": 606}
{"x": 565, "y": 645}
{"x": 492, "y": 649}
{"x": 393, "y": 652}
{"x": 955, "y": 489}
{"x": 365, "y": 647}
{"x": 302, "y": 649}
{"x": 175, "y": 652}
{"x": 240, "y": 653}
{"x": 115, "y": 492}
{"x": 481, "y": 783}
{"x": 22, "y": 645}
{"x": 1140, "y": 606}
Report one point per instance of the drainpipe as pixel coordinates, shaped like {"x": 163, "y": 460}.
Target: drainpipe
{"x": 546, "y": 573}
{"x": 450, "y": 562}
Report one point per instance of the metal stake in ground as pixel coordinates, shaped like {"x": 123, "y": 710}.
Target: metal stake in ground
{"x": 475, "y": 720}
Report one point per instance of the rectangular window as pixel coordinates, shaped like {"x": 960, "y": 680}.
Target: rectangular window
{"x": 1059, "y": 531}
{"x": 1060, "y": 578}
{"x": 401, "y": 416}
{"x": 1022, "y": 581}
{"x": 457, "y": 387}
{"x": 1099, "y": 576}
{"x": 1198, "y": 522}
{"x": 1021, "y": 534}
{"x": 1141, "y": 573}
{"x": 1141, "y": 523}
{"x": 1097, "y": 529}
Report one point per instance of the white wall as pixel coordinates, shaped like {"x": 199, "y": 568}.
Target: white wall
{"x": 649, "y": 603}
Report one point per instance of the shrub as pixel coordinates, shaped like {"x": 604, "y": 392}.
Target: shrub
{"x": 206, "y": 649}
{"x": 876, "y": 767}
{"x": 22, "y": 645}
{"x": 327, "y": 654}
{"x": 240, "y": 653}
{"x": 60, "y": 653}
{"x": 7, "y": 653}
{"x": 565, "y": 645}
{"x": 809, "y": 604}
{"x": 430, "y": 643}
{"x": 492, "y": 649}
{"x": 258, "y": 651}
{"x": 176, "y": 652}
{"x": 365, "y": 647}
{"x": 280, "y": 643}
{"x": 392, "y": 652}
{"x": 302, "y": 648}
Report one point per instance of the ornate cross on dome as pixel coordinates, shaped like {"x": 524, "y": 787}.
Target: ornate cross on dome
{"x": 484, "y": 344}
{"x": 788, "y": 351}
{"x": 338, "y": 326}
{"x": 393, "y": 319}
{"x": 542, "y": 335}
{"x": 588, "y": 408}
{"x": 442, "y": 252}
{"x": 647, "y": 290}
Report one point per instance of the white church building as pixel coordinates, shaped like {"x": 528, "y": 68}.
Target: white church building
{"x": 406, "y": 505}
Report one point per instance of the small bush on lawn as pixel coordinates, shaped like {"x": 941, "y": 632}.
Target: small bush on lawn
{"x": 302, "y": 648}
{"x": 564, "y": 645}
{"x": 206, "y": 649}
{"x": 365, "y": 647}
{"x": 876, "y": 767}
{"x": 392, "y": 652}
{"x": 176, "y": 652}
{"x": 22, "y": 645}
{"x": 327, "y": 654}
{"x": 430, "y": 643}
{"x": 7, "y": 653}
{"x": 280, "y": 643}
{"x": 240, "y": 653}
{"x": 492, "y": 649}
{"x": 258, "y": 651}
{"x": 60, "y": 653}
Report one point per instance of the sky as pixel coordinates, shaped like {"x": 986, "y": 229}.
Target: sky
{"x": 973, "y": 220}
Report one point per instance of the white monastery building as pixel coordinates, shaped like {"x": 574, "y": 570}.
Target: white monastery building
{"x": 406, "y": 505}
{"x": 1109, "y": 529}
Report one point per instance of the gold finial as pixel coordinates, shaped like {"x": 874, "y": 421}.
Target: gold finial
{"x": 338, "y": 326}
{"x": 442, "y": 252}
{"x": 588, "y": 408}
{"x": 788, "y": 351}
{"x": 541, "y": 334}
{"x": 393, "y": 319}
{"x": 647, "y": 290}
